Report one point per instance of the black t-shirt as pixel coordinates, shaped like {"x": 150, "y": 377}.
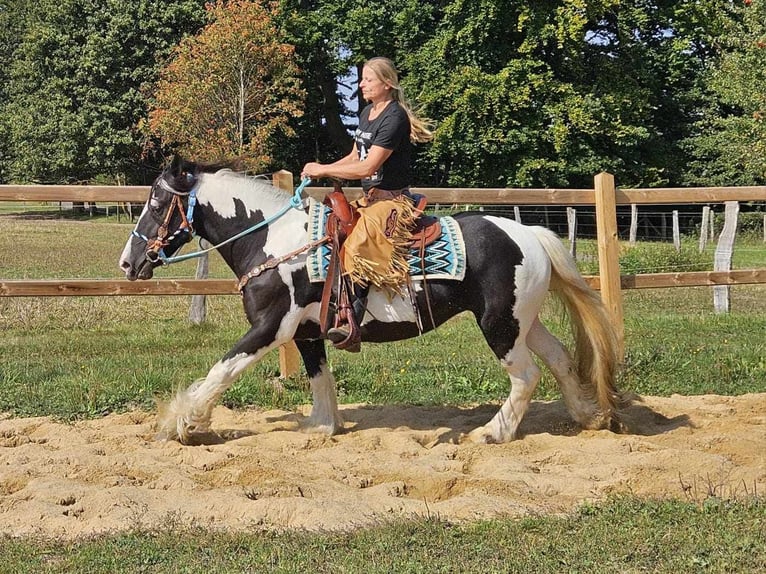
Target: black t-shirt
{"x": 390, "y": 130}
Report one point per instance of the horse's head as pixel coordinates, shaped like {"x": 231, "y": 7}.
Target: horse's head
{"x": 165, "y": 224}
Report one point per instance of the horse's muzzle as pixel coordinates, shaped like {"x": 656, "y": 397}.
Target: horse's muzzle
{"x": 145, "y": 270}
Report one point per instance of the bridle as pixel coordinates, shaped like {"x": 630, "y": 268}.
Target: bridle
{"x": 155, "y": 248}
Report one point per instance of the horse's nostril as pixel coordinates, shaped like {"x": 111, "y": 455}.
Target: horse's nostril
{"x": 125, "y": 265}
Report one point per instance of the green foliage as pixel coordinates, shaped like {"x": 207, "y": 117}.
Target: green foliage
{"x": 663, "y": 258}
{"x": 524, "y": 94}
{"x": 548, "y": 94}
{"x": 750, "y": 223}
{"x": 729, "y": 144}
{"x": 74, "y": 76}
{"x": 648, "y": 257}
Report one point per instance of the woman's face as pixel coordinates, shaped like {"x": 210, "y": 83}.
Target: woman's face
{"x": 373, "y": 89}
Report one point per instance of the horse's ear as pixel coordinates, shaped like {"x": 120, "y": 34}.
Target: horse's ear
{"x": 182, "y": 174}
{"x": 175, "y": 164}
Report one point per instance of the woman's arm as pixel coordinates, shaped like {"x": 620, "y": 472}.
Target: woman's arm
{"x": 349, "y": 167}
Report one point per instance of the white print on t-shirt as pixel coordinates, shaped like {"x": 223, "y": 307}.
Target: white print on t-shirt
{"x": 360, "y": 137}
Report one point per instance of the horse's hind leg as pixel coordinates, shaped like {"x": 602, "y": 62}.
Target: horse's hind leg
{"x": 325, "y": 417}
{"x": 524, "y": 375}
{"x": 580, "y": 404}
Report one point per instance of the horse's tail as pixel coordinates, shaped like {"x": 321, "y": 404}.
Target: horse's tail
{"x": 596, "y": 344}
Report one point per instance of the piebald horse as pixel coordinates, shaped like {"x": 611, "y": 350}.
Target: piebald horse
{"x": 509, "y": 270}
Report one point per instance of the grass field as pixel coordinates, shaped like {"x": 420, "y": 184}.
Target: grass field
{"x": 621, "y": 536}
{"x": 85, "y": 357}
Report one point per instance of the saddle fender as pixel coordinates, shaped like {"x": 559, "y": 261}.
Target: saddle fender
{"x": 344, "y": 216}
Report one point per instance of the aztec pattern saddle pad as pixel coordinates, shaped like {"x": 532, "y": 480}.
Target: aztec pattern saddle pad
{"x": 444, "y": 258}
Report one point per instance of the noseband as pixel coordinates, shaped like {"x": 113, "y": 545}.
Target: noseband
{"x": 155, "y": 248}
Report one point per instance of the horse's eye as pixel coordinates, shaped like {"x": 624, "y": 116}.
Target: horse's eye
{"x": 154, "y": 202}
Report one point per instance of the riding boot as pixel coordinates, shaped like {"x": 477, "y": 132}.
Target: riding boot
{"x": 340, "y": 334}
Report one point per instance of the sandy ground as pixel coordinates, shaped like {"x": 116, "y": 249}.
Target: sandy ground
{"x": 110, "y": 474}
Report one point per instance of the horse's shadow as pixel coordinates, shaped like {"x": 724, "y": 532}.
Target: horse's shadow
{"x": 541, "y": 418}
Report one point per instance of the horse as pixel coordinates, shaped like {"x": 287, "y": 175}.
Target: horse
{"x": 260, "y": 232}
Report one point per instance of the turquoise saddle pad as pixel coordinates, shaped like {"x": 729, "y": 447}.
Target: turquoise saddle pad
{"x": 444, "y": 258}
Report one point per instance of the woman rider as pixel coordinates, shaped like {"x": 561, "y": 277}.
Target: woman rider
{"x": 380, "y": 158}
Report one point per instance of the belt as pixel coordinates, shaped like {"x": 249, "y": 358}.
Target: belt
{"x": 377, "y": 194}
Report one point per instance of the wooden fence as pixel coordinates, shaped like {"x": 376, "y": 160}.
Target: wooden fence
{"x": 604, "y": 196}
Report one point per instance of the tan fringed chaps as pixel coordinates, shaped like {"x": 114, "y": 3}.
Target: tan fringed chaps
{"x": 377, "y": 251}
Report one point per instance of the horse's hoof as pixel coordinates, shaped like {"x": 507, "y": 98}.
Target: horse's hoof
{"x": 482, "y": 435}
{"x": 320, "y": 428}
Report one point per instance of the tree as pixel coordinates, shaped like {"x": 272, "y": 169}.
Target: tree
{"x": 229, "y": 90}
{"x": 549, "y": 93}
{"x": 729, "y": 146}
{"x": 73, "y": 77}
{"x": 332, "y": 39}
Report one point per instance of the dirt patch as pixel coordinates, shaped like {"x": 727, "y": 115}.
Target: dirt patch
{"x": 110, "y": 474}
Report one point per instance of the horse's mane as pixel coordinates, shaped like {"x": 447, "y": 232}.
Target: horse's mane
{"x": 245, "y": 183}
{"x": 212, "y": 167}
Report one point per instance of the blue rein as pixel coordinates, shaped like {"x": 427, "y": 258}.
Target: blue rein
{"x": 296, "y": 202}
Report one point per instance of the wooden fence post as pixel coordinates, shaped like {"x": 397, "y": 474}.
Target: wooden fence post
{"x": 609, "y": 253}
{"x": 704, "y": 228}
{"x": 633, "y": 224}
{"x": 676, "y": 231}
{"x": 198, "y": 307}
{"x": 289, "y": 357}
{"x": 723, "y": 253}
{"x": 572, "y": 228}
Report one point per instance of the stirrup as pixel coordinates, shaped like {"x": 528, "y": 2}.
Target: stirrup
{"x": 338, "y": 334}
{"x": 342, "y": 337}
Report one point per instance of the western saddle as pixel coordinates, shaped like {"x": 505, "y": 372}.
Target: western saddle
{"x": 337, "y": 292}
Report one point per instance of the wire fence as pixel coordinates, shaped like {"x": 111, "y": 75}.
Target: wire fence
{"x": 654, "y": 223}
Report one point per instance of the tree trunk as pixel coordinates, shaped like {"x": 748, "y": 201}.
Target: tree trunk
{"x": 332, "y": 111}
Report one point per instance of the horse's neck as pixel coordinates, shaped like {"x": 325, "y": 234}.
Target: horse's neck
{"x": 233, "y": 196}
{"x": 226, "y": 215}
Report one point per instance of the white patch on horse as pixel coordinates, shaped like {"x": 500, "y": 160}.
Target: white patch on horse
{"x": 190, "y": 409}
{"x": 311, "y": 313}
{"x": 380, "y": 308}
{"x": 324, "y": 417}
{"x": 296, "y": 315}
{"x": 533, "y": 275}
{"x": 256, "y": 196}
{"x": 225, "y": 204}
{"x": 286, "y": 271}
{"x": 127, "y": 251}
{"x": 282, "y": 238}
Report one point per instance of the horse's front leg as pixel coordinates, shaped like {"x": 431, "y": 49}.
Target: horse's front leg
{"x": 325, "y": 417}
{"x": 188, "y": 412}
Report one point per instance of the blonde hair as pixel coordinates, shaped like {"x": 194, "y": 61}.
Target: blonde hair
{"x": 384, "y": 69}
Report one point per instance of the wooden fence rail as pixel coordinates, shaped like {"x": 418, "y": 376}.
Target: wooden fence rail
{"x": 123, "y": 287}
{"x": 604, "y": 196}
{"x": 489, "y": 196}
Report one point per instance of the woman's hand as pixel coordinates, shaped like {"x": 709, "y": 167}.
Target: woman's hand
{"x": 313, "y": 170}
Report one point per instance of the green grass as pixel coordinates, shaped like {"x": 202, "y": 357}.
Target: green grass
{"x": 84, "y": 357}
{"x": 622, "y": 535}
